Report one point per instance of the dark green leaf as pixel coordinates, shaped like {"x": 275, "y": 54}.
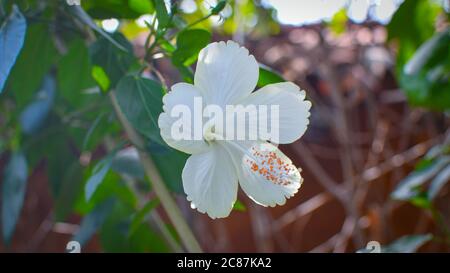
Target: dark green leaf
{"x": 34, "y": 114}
{"x": 115, "y": 235}
{"x": 268, "y": 76}
{"x": 161, "y": 13}
{"x": 13, "y": 193}
{"x": 139, "y": 217}
{"x": 127, "y": 162}
{"x": 12, "y": 36}
{"x": 189, "y": 44}
{"x": 425, "y": 78}
{"x": 140, "y": 100}
{"x": 34, "y": 62}
{"x": 111, "y": 186}
{"x": 94, "y": 221}
{"x": 170, "y": 165}
{"x": 114, "y": 62}
{"x": 126, "y": 9}
{"x": 91, "y": 131}
{"x": 74, "y": 74}
{"x": 67, "y": 185}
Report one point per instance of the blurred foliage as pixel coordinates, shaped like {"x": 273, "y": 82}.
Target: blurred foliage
{"x": 59, "y": 67}
{"x": 423, "y": 58}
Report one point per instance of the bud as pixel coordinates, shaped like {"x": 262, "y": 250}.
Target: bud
{"x": 219, "y": 7}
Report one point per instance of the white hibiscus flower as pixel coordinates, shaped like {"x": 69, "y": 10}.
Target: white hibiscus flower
{"x": 226, "y": 75}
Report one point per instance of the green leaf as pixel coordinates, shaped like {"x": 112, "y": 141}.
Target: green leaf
{"x": 127, "y": 162}
{"x": 13, "y": 193}
{"x": 189, "y": 44}
{"x": 91, "y": 130}
{"x": 12, "y": 37}
{"x": 94, "y": 221}
{"x": 115, "y": 234}
{"x": 34, "y": 62}
{"x": 114, "y": 61}
{"x": 141, "y": 6}
{"x": 98, "y": 174}
{"x": 101, "y": 78}
{"x": 121, "y": 9}
{"x": 239, "y": 206}
{"x": 268, "y": 76}
{"x": 35, "y": 113}
{"x": 339, "y": 22}
{"x": 111, "y": 186}
{"x": 139, "y": 217}
{"x": 406, "y": 189}
{"x": 407, "y": 244}
{"x": 425, "y": 77}
{"x": 67, "y": 186}
{"x": 74, "y": 74}
{"x": 161, "y": 13}
{"x": 170, "y": 165}
{"x": 140, "y": 100}
{"x": 438, "y": 182}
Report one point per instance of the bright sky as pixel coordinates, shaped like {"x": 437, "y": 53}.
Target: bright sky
{"x": 300, "y": 12}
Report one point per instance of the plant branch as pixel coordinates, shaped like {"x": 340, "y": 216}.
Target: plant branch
{"x": 169, "y": 205}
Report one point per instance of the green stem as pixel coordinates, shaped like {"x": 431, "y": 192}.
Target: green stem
{"x": 199, "y": 21}
{"x": 169, "y": 205}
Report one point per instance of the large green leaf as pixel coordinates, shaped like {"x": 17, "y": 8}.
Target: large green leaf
{"x": 94, "y": 221}
{"x": 69, "y": 186}
{"x": 13, "y": 193}
{"x": 34, "y": 62}
{"x": 189, "y": 44}
{"x": 12, "y": 36}
{"x": 170, "y": 164}
{"x": 74, "y": 74}
{"x": 115, "y": 62}
{"x": 140, "y": 100}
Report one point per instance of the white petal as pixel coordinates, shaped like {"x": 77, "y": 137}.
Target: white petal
{"x": 225, "y": 73}
{"x": 293, "y": 110}
{"x": 265, "y": 174}
{"x": 181, "y": 94}
{"x": 210, "y": 182}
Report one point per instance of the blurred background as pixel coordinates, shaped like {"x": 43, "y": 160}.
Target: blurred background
{"x": 375, "y": 159}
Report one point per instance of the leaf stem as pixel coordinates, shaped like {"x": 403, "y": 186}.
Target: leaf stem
{"x": 169, "y": 205}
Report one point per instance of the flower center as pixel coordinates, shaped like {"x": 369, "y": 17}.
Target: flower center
{"x": 209, "y": 134}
